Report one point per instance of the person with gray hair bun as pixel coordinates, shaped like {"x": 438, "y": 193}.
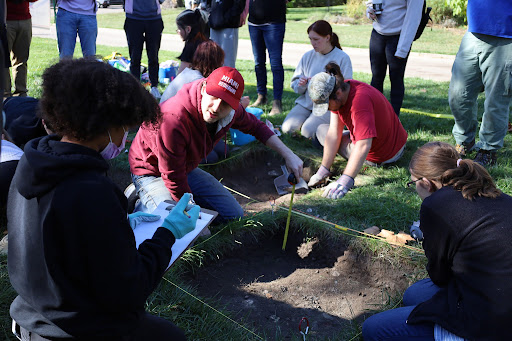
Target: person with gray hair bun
{"x": 374, "y": 137}
{"x": 467, "y": 233}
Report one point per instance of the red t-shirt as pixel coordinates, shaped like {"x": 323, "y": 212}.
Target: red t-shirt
{"x": 368, "y": 114}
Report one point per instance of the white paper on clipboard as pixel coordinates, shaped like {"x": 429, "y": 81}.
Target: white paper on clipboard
{"x": 146, "y": 230}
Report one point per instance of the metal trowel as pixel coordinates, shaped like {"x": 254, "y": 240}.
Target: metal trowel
{"x": 284, "y": 187}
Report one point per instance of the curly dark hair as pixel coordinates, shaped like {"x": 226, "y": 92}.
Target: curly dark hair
{"x": 83, "y": 98}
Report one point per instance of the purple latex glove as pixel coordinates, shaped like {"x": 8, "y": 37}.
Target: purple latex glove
{"x": 322, "y": 173}
{"x": 338, "y": 189}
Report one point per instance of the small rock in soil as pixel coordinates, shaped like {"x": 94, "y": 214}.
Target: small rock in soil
{"x": 274, "y": 318}
{"x": 273, "y": 173}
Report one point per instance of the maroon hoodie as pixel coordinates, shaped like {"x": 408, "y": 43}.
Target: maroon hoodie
{"x": 179, "y": 143}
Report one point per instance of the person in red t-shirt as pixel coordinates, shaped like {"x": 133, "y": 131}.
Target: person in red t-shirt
{"x": 375, "y": 135}
{"x": 19, "y": 37}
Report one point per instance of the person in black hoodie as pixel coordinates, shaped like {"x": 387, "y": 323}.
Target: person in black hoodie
{"x": 467, "y": 236}
{"x": 72, "y": 257}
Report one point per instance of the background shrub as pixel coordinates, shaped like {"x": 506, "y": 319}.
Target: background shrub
{"x": 315, "y": 3}
{"x": 443, "y": 14}
{"x": 355, "y": 9}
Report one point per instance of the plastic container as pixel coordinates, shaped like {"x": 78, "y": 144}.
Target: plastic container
{"x": 239, "y": 138}
{"x": 167, "y": 72}
{"x": 162, "y": 73}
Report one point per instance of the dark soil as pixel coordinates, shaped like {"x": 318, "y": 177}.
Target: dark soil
{"x": 318, "y": 279}
{"x": 254, "y": 177}
{"x": 271, "y": 290}
{"x": 324, "y": 282}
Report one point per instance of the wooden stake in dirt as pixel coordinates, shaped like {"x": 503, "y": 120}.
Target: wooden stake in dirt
{"x": 292, "y": 181}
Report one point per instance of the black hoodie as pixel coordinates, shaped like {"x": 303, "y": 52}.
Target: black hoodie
{"x": 72, "y": 256}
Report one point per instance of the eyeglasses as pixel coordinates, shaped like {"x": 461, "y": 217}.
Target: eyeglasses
{"x": 412, "y": 182}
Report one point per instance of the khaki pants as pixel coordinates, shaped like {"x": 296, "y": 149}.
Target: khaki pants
{"x": 19, "y": 36}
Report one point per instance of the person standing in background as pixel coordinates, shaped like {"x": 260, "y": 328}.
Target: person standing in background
{"x": 394, "y": 29}
{"x": 19, "y": 36}
{"x": 76, "y": 17}
{"x": 225, "y": 19}
{"x": 267, "y": 20}
{"x": 193, "y": 30}
{"x": 484, "y": 62}
{"x": 144, "y": 24}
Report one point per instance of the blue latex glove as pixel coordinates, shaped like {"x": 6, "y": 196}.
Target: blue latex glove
{"x": 338, "y": 189}
{"x": 179, "y": 222}
{"x": 141, "y": 217}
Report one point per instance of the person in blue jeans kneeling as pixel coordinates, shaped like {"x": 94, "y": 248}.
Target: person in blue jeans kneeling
{"x": 467, "y": 236}
{"x": 164, "y": 160}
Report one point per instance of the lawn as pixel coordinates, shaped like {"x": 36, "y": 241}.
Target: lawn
{"x": 433, "y": 40}
{"x": 382, "y": 200}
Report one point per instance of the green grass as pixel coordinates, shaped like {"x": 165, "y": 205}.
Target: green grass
{"x": 383, "y": 201}
{"x": 433, "y": 40}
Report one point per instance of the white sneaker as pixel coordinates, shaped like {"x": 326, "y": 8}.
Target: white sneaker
{"x": 3, "y": 245}
{"x": 154, "y": 91}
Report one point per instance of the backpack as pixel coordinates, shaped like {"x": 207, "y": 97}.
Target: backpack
{"x": 425, "y": 17}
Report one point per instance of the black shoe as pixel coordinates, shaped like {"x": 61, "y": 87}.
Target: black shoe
{"x": 486, "y": 157}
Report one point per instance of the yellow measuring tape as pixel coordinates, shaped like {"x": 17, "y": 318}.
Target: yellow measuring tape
{"x": 336, "y": 226}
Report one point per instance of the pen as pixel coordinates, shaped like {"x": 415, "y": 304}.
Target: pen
{"x": 186, "y": 213}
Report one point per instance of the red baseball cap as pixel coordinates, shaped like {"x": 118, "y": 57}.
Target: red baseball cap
{"x": 227, "y": 84}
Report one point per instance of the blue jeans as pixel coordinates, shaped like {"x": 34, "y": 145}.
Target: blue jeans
{"x": 208, "y": 193}
{"x": 382, "y": 54}
{"x": 483, "y": 63}
{"x": 392, "y": 324}
{"x": 138, "y": 32}
{"x": 268, "y": 37}
{"x": 70, "y": 24}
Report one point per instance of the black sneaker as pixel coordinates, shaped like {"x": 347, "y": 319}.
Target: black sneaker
{"x": 465, "y": 148}
{"x": 486, "y": 157}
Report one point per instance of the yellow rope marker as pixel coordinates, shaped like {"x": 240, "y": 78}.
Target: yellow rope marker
{"x": 293, "y": 181}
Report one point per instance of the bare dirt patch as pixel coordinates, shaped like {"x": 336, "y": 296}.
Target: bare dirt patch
{"x": 254, "y": 177}
{"x": 272, "y": 290}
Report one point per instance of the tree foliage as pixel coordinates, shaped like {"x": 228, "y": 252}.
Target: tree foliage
{"x": 458, "y": 7}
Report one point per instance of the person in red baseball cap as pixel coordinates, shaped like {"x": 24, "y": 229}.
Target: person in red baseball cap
{"x": 164, "y": 159}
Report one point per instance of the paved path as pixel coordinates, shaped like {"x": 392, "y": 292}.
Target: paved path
{"x": 423, "y": 65}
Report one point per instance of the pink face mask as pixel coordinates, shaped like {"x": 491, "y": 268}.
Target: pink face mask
{"x": 111, "y": 150}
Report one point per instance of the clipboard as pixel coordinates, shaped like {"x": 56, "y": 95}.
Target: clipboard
{"x": 146, "y": 230}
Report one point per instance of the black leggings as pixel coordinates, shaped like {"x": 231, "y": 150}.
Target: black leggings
{"x": 382, "y": 54}
{"x": 7, "y": 170}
